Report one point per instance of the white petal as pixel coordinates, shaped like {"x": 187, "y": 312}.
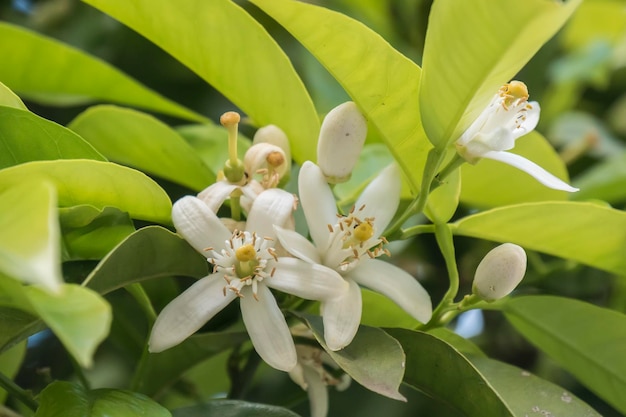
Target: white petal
{"x": 341, "y": 317}
{"x": 198, "y": 225}
{"x": 395, "y": 283}
{"x": 297, "y": 245}
{"x": 381, "y": 197}
{"x": 532, "y": 169}
{"x": 271, "y": 207}
{"x": 268, "y": 329}
{"x": 188, "y": 312}
{"x": 317, "y": 392}
{"x": 531, "y": 120}
{"x": 306, "y": 280}
{"x": 318, "y": 203}
{"x": 215, "y": 195}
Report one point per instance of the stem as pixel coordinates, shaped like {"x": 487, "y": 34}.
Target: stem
{"x": 416, "y": 230}
{"x": 443, "y": 234}
{"x": 20, "y": 394}
{"x": 138, "y": 375}
{"x": 433, "y": 161}
{"x": 235, "y": 206}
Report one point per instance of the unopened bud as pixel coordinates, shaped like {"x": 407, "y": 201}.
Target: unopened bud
{"x": 340, "y": 142}
{"x": 274, "y": 135}
{"x": 267, "y": 160}
{"x": 500, "y": 271}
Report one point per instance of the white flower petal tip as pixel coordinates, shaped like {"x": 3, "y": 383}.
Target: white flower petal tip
{"x": 532, "y": 169}
{"x": 500, "y": 271}
{"x": 341, "y": 317}
{"x": 198, "y": 224}
{"x": 340, "y": 142}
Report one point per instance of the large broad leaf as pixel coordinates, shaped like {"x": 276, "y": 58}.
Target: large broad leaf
{"x": 91, "y": 233}
{"x": 585, "y": 232}
{"x": 232, "y": 52}
{"x": 233, "y": 408}
{"x": 491, "y": 183}
{"x": 28, "y": 137}
{"x": 16, "y": 325}
{"x": 383, "y": 82}
{"x": 527, "y": 394}
{"x": 151, "y": 252}
{"x": 586, "y": 340}
{"x": 10, "y": 99}
{"x": 136, "y": 139}
{"x": 605, "y": 181}
{"x": 29, "y": 235}
{"x": 435, "y": 367}
{"x": 59, "y": 74}
{"x": 97, "y": 183}
{"x": 79, "y": 317}
{"x": 67, "y": 399}
{"x": 373, "y": 359}
{"x": 472, "y": 48}
{"x": 165, "y": 368}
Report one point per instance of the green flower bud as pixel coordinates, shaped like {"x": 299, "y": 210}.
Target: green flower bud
{"x": 500, "y": 271}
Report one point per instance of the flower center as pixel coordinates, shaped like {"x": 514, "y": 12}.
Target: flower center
{"x": 351, "y": 238}
{"x": 244, "y": 261}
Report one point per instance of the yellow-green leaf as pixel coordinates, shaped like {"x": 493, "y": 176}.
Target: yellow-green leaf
{"x": 9, "y": 98}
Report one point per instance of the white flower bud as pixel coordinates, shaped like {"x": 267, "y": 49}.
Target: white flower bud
{"x": 274, "y": 135}
{"x": 500, "y": 271}
{"x": 340, "y": 142}
{"x": 267, "y": 160}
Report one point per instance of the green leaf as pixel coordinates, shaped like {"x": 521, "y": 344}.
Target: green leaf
{"x": 97, "y": 183}
{"x": 585, "y": 232}
{"x": 165, "y": 368}
{"x": 605, "y": 181}
{"x": 139, "y": 140}
{"x": 444, "y": 200}
{"x": 59, "y": 74}
{"x": 233, "y": 53}
{"x": 472, "y": 48}
{"x": 380, "y": 311}
{"x": 460, "y": 343}
{"x": 436, "y": 368}
{"x": 603, "y": 20}
{"x": 16, "y": 325}
{"x": 27, "y": 137}
{"x": 373, "y": 359}
{"x": 79, "y": 317}
{"x": 382, "y": 81}
{"x": 10, "y": 363}
{"x": 492, "y": 184}
{"x": 29, "y": 234}
{"x": 233, "y": 408}
{"x": 67, "y": 399}
{"x": 10, "y": 99}
{"x": 150, "y": 252}
{"x": 586, "y": 340}
{"x": 91, "y": 233}
{"x": 527, "y": 394}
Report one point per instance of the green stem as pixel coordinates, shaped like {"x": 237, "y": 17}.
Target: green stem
{"x": 235, "y": 207}
{"x": 443, "y": 235}
{"x": 138, "y": 375}
{"x": 416, "y": 230}
{"x": 18, "y": 393}
{"x": 433, "y": 161}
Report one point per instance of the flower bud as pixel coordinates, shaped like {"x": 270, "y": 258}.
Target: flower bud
{"x": 267, "y": 160}
{"x": 500, "y": 271}
{"x": 340, "y": 142}
{"x": 274, "y": 135}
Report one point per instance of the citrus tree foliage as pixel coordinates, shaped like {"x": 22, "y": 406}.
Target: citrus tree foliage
{"x": 211, "y": 235}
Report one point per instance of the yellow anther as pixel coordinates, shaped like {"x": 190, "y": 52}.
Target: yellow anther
{"x": 363, "y": 231}
{"x": 245, "y": 253}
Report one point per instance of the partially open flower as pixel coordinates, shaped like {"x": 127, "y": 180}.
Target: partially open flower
{"x": 268, "y": 161}
{"x": 508, "y": 116}
{"x": 340, "y": 142}
{"x": 500, "y": 271}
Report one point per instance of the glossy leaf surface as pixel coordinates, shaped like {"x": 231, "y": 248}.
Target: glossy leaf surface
{"x": 563, "y": 229}
{"x": 233, "y": 408}
{"x": 251, "y": 71}
{"x": 62, "y": 75}
{"x": 97, "y": 183}
{"x": 139, "y": 140}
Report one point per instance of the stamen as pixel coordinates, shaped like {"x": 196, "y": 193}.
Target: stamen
{"x": 330, "y": 228}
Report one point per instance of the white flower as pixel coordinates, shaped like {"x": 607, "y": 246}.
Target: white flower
{"x": 500, "y": 271}
{"x": 508, "y": 116}
{"x": 245, "y": 266}
{"x": 215, "y": 195}
{"x": 340, "y": 142}
{"x": 349, "y": 244}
